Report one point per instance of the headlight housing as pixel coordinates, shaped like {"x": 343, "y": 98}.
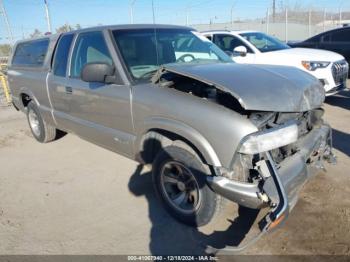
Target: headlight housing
{"x": 313, "y": 65}
{"x": 270, "y": 139}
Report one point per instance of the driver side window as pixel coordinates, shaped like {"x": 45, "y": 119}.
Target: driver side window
{"x": 90, "y": 47}
{"x": 229, "y": 42}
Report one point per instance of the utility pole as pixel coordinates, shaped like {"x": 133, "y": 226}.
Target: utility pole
{"x": 187, "y": 14}
{"x": 324, "y": 19}
{"x": 286, "y": 25}
{"x": 332, "y": 19}
{"x": 340, "y": 12}
{"x": 309, "y": 22}
{"x": 22, "y": 32}
{"x": 132, "y": 3}
{"x": 48, "y": 20}
{"x": 4, "y": 14}
{"x": 232, "y": 7}
{"x": 188, "y": 9}
{"x": 273, "y": 11}
{"x": 153, "y": 14}
{"x": 267, "y": 20}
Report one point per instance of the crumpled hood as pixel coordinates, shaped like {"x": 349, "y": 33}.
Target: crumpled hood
{"x": 257, "y": 87}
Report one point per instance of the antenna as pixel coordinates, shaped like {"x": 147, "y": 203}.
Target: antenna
{"x": 132, "y": 3}
{"x": 48, "y": 20}
{"x": 155, "y": 33}
{"x": 154, "y": 17}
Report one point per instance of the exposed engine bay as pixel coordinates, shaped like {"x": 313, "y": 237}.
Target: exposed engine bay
{"x": 200, "y": 89}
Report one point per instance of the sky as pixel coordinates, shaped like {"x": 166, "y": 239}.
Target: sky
{"x": 27, "y": 15}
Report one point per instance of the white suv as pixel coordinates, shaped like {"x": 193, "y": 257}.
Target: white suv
{"x": 253, "y": 47}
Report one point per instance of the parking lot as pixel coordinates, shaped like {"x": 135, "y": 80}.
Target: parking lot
{"x": 72, "y": 197}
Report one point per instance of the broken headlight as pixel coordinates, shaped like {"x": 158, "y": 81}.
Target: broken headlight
{"x": 270, "y": 139}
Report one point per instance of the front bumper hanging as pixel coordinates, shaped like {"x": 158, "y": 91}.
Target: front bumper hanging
{"x": 283, "y": 182}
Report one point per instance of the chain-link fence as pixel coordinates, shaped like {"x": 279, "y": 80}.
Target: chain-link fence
{"x": 287, "y": 25}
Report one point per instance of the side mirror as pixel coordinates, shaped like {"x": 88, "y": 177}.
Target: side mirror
{"x": 97, "y": 72}
{"x": 241, "y": 50}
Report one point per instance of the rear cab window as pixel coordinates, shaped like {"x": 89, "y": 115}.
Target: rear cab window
{"x": 31, "y": 53}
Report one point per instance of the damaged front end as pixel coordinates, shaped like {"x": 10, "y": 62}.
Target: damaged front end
{"x": 272, "y": 165}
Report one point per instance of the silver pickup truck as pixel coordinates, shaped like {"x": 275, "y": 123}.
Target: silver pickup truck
{"x": 164, "y": 95}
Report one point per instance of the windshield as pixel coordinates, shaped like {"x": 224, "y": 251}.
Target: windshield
{"x": 144, "y": 50}
{"x": 263, "y": 42}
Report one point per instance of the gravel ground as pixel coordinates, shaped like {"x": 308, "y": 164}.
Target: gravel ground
{"x": 72, "y": 197}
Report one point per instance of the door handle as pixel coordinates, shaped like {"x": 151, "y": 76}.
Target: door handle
{"x": 69, "y": 90}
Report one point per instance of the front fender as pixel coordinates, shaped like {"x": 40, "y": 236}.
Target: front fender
{"x": 183, "y": 130}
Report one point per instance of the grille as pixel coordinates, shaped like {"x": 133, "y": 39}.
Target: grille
{"x": 306, "y": 122}
{"x": 340, "y": 71}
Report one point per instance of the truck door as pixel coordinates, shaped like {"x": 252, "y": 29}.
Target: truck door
{"x": 59, "y": 95}
{"x": 99, "y": 112}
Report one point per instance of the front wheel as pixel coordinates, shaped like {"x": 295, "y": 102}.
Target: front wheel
{"x": 179, "y": 177}
{"x": 41, "y": 131}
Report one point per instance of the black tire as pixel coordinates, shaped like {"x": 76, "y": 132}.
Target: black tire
{"x": 43, "y": 133}
{"x": 209, "y": 202}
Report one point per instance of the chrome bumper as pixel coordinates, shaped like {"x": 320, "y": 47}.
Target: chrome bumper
{"x": 283, "y": 182}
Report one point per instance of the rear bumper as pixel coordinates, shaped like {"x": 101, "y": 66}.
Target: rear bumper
{"x": 282, "y": 182}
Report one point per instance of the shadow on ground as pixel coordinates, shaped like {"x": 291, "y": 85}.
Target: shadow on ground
{"x": 169, "y": 237}
{"x": 341, "y": 140}
{"x": 341, "y": 100}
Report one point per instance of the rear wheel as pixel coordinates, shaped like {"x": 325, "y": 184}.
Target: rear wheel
{"x": 179, "y": 177}
{"x": 41, "y": 131}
